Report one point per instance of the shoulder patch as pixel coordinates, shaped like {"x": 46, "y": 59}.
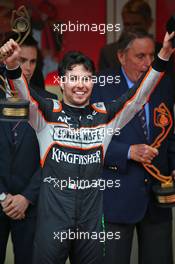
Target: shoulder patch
{"x": 57, "y": 105}
{"x": 99, "y": 107}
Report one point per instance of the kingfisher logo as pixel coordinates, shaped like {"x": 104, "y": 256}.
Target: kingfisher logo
{"x": 78, "y": 159}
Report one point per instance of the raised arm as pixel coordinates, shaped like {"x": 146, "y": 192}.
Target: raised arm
{"x": 124, "y": 108}
{"x": 17, "y": 81}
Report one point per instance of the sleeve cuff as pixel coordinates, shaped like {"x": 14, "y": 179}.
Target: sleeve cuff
{"x": 29, "y": 197}
{"x": 159, "y": 64}
{"x": 162, "y": 58}
{"x": 13, "y": 74}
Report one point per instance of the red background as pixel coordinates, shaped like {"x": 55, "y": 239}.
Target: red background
{"x": 165, "y": 8}
{"x": 94, "y": 11}
{"x": 91, "y": 11}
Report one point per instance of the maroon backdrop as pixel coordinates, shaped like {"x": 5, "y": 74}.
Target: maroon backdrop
{"x": 92, "y": 11}
{"x": 84, "y": 12}
{"x": 165, "y": 8}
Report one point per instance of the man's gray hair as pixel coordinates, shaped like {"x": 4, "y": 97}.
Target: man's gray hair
{"x": 129, "y": 35}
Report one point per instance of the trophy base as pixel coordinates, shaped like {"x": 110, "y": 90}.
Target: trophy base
{"x": 165, "y": 195}
{"x": 14, "y": 109}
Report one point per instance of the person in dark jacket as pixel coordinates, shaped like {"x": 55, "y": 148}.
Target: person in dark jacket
{"x": 136, "y": 14}
{"x": 20, "y": 173}
{"x": 133, "y": 206}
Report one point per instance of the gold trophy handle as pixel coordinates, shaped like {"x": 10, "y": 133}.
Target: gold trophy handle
{"x": 21, "y": 24}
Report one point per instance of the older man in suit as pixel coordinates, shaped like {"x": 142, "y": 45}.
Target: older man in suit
{"x": 132, "y": 206}
{"x": 20, "y": 173}
{"x": 135, "y": 13}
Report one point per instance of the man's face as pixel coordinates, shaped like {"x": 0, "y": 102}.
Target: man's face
{"x": 137, "y": 58}
{"x": 28, "y": 58}
{"x": 77, "y": 86}
{"x": 135, "y": 20}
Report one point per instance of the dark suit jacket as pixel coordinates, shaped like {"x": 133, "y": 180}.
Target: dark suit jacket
{"x": 20, "y": 160}
{"x": 129, "y": 203}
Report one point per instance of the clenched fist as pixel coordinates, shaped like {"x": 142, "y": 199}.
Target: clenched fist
{"x": 167, "y": 48}
{"x": 143, "y": 153}
{"x": 11, "y": 51}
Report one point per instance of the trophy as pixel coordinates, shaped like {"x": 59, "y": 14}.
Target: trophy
{"x": 13, "y": 108}
{"x": 165, "y": 191}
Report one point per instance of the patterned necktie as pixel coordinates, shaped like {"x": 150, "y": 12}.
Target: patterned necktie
{"x": 142, "y": 118}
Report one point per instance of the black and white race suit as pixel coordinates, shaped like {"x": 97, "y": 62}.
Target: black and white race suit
{"x": 73, "y": 142}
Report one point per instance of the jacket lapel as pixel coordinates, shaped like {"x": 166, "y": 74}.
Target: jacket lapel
{"x": 7, "y": 128}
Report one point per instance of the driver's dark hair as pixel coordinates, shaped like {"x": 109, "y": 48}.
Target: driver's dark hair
{"x": 73, "y": 58}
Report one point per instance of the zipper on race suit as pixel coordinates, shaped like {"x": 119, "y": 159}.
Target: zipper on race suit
{"x": 77, "y": 199}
